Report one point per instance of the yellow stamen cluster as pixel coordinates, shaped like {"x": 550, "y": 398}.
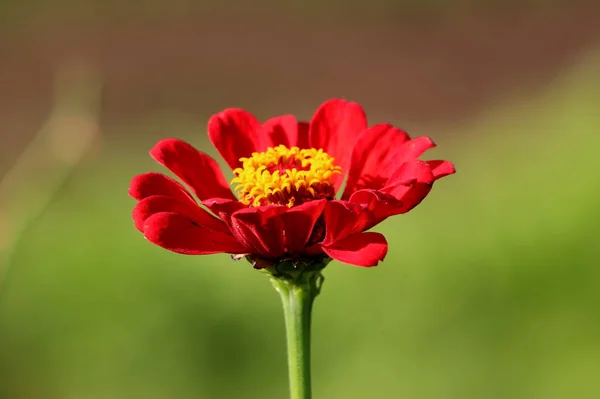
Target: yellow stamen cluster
{"x": 285, "y": 176}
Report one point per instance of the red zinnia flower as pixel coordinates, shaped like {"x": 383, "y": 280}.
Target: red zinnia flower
{"x": 286, "y": 175}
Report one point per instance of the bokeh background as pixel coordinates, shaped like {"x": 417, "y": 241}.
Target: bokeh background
{"x": 491, "y": 288}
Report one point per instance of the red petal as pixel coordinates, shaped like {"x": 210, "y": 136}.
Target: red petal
{"x": 236, "y": 133}
{"x": 281, "y": 130}
{"x": 260, "y": 229}
{"x": 149, "y": 184}
{"x": 441, "y": 168}
{"x": 411, "y": 171}
{"x": 379, "y": 205}
{"x": 411, "y": 196}
{"x": 160, "y": 203}
{"x": 199, "y": 171}
{"x": 361, "y": 249}
{"x": 179, "y": 234}
{"x": 410, "y": 184}
{"x": 335, "y": 128}
{"x": 411, "y": 149}
{"x": 370, "y": 157}
{"x": 343, "y": 218}
{"x": 223, "y": 208}
{"x": 298, "y": 224}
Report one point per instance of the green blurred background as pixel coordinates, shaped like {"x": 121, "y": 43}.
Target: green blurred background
{"x": 491, "y": 288}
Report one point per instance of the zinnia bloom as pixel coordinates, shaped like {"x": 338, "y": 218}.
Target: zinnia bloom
{"x": 287, "y": 175}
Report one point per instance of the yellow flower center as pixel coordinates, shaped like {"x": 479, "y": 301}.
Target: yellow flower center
{"x": 285, "y": 176}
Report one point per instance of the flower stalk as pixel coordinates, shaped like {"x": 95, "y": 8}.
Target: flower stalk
{"x": 298, "y": 290}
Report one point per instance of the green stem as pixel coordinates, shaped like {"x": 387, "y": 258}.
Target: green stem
{"x": 297, "y": 295}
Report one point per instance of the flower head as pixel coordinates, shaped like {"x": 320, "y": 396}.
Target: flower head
{"x": 286, "y": 175}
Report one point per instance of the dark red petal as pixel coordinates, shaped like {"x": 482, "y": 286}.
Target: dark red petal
{"x": 149, "y": 184}
{"x": 260, "y": 229}
{"x": 379, "y": 205}
{"x": 298, "y": 224}
{"x": 441, "y": 168}
{"x": 160, "y": 203}
{"x": 303, "y": 129}
{"x": 370, "y": 157}
{"x": 198, "y": 170}
{"x": 236, "y": 133}
{"x": 179, "y": 234}
{"x": 343, "y": 218}
{"x": 361, "y": 249}
{"x": 313, "y": 250}
{"x": 335, "y": 128}
{"x": 281, "y": 130}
